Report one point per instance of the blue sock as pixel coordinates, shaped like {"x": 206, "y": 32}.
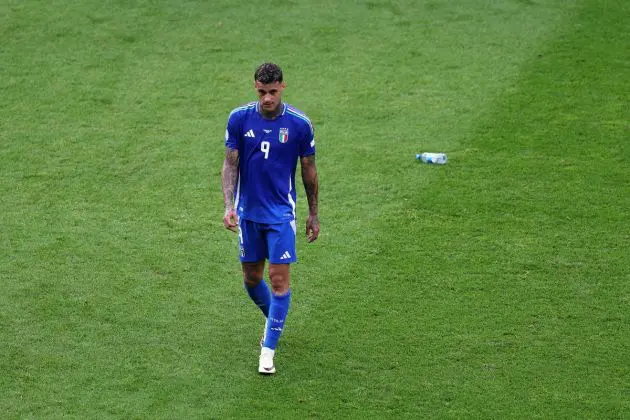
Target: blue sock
{"x": 275, "y": 321}
{"x": 261, "y": 295}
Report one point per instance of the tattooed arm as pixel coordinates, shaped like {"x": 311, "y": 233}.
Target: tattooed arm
{"x": 311, "y": 186}
{"x": 229, "y": 175}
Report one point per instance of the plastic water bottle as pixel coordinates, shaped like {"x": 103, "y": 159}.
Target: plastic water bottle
{"x": 435, "y": 158}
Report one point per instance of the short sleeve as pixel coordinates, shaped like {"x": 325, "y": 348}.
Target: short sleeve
{"x": 307, "y": 146}
{"x": 231, "y": 131}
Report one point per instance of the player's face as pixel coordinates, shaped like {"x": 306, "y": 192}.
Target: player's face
{"x": 269, "y": 95}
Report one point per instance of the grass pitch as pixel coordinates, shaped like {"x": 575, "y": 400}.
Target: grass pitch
{"x": 496, "y": 286}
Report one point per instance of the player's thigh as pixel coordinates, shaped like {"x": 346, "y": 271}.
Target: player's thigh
{"x": 281, "y": 243}
{"x": 252, "y": 242}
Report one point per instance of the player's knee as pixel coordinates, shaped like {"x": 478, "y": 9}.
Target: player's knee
{"x": 252, "y": 275}
{"x": 279, "y": 277}
{"x": 279, "y": 286}
{"x": 251, "y": 281}
{"x": 251, "y": 278}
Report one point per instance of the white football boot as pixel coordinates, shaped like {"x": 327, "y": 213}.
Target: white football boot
{"x": 265, "y": 362}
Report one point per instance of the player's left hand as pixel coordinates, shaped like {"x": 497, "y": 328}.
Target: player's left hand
{"x": 312, "y": 227}
{"x": 230, "y": 220}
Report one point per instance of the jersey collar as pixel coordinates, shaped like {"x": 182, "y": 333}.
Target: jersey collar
{"x": 284, "y": 109}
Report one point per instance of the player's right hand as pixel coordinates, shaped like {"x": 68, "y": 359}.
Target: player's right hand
{"x": 230, "y": 220}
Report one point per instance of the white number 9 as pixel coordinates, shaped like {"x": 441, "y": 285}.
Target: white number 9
{"x": 264, "y": 147}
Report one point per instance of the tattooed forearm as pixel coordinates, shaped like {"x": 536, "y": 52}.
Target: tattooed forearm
{"x": 229, "y": 174}
{"x": 311, "y": 186}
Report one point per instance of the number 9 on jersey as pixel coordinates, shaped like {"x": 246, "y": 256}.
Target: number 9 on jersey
{"x": 264, "y": 147}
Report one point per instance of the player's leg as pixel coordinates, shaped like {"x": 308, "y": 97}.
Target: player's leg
{"x": 256, "y": 286}
{"x": 281, "y": 241}
{"x": 280, "y": 301}
{"x": 253, "y": 254}
{"x": 278, "y": 310}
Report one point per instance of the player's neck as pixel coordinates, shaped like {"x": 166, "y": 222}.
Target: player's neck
{"x": 273, "y": 114}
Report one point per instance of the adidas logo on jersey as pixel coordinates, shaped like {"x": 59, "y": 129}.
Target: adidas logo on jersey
{"x": 285, "y": 256}
{"x": 250, "y": 133}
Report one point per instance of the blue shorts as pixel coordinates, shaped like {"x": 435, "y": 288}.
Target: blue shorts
{"x": 260, "y": 241}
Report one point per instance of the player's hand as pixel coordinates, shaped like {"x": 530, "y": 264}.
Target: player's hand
{"x": 312, "y": 227}
{"x": 230, "y": 220}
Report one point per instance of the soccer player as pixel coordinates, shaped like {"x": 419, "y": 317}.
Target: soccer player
{"x": 264, "y": 140}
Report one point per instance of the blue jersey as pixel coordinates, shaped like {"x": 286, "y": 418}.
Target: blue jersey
{"x": 268, "y": 152}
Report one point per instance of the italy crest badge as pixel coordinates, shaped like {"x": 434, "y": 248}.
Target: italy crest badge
{"x": 284, "y": 135}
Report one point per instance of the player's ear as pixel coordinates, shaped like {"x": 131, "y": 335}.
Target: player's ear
{"x": 283, "y": 85}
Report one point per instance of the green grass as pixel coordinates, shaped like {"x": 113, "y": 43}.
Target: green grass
{"x": 496, "y": 286}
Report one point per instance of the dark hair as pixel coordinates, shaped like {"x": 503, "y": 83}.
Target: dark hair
{"x": 268, "y": 73}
